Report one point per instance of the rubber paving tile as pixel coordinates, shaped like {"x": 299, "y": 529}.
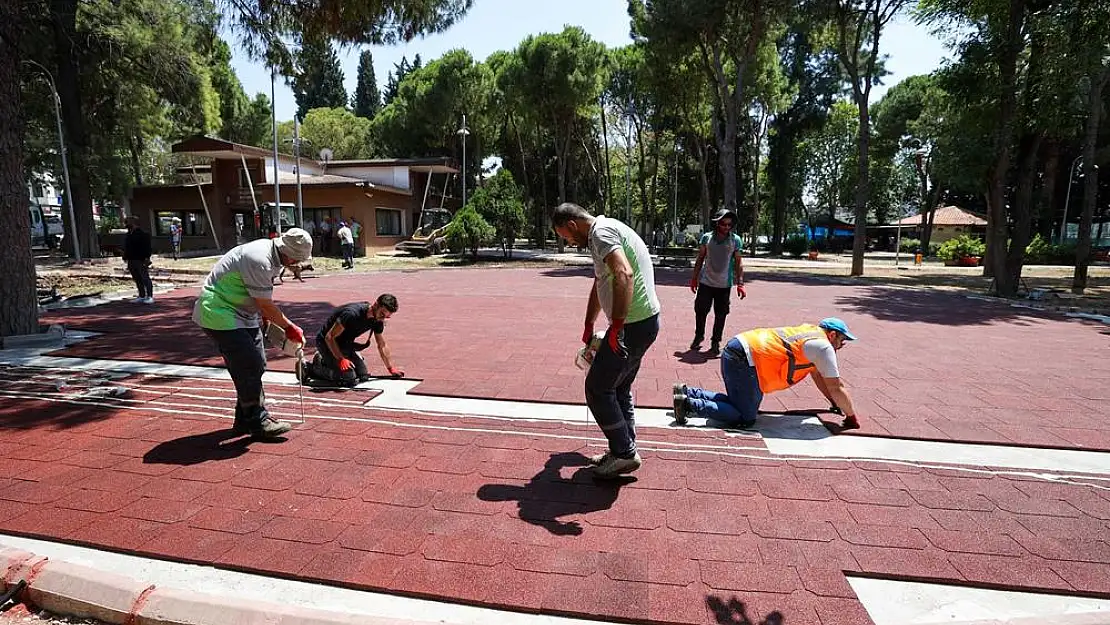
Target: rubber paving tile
{"x": 929, "y": 365}
{"x": 506, "y": 514}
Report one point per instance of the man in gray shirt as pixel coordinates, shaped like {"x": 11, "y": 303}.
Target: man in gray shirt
{"x": 624, "y": 288}
{"x": 719, "y": 266}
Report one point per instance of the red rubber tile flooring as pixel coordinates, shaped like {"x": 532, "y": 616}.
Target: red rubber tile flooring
{"x": 929, "y": 365}
{"x": 504, "y": 514}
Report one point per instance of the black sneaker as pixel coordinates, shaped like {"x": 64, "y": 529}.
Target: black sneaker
{"x": 715, "y": 348}
{"x": 680, "y": 408}
{"x": 695, "y": 345}
{"x": 270, "y": 428}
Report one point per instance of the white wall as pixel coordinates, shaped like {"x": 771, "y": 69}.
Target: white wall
{"x": 392, "y": 176}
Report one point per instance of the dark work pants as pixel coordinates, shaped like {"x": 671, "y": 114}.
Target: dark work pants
{"x": 348, "y": 254}
{"x": 717, "y": 299}
{"x": 609, "y": 386}
{"x": 245, "y": 356}
{"x": 140, "y": 273}
{"x": 331, "y": 365}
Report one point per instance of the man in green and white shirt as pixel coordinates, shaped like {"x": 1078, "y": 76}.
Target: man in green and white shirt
{"x": 624, "y": 288}
{"x": 237, "y": 295}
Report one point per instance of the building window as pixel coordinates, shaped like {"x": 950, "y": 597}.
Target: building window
{"x": 389, "y": 222}
{"x": 193, "y": 223}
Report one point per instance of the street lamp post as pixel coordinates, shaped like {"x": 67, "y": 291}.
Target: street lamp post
{"x": 65, "y": 161}
{"x": 463, "y": 133}
{"x": 1067, "y": 201}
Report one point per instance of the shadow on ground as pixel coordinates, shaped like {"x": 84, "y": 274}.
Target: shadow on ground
{"x": 548, "y": 496}
{"x": 735, "y": 612}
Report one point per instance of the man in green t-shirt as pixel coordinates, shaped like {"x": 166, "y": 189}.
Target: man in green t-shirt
{"x": 624, "y": 288}
{"x": 236, "y": 296}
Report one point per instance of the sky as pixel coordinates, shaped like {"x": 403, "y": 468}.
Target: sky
{"x": 493, "y": 25}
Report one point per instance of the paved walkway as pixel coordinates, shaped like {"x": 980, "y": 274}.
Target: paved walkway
{"x": 929, "y": 365}
{"x": 504, "y": 513}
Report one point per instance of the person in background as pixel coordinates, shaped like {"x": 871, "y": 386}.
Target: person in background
{"x": 136, "y": 253}
{"x": 717, "y": 269}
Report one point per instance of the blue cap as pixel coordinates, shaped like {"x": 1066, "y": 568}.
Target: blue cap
{"x": 837, "y": 325}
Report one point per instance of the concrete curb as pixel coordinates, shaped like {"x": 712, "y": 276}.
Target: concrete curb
{"x": 79, "y": 591}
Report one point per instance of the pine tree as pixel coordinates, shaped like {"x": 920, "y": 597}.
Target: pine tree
{"x": 319, "y": 79}
{"x": 397, "y": 76}
{"x": 368, "y": 99}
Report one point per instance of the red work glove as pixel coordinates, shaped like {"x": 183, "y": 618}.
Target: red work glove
{"x": 694, "y": 284}
{"x": 395, "y": 372}
{"x": 615, "y": 337}
{"x": 740, "y": 291}
{"x": 345, "y": 365}
{"x": 295, "y": 334}
{"x": 588, "y": 333}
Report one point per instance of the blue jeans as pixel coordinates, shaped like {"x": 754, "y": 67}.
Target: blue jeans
{"x": 609, "y": 386}
{"x": 739, "y": 404}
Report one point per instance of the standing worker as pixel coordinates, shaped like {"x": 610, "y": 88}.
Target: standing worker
{"x": 136, "y": 252}
{"x": 719, "y": 266}
{"x": 346, "y": 244}
{"x": 624, "y": 288}
{"x": 236, "y": 295}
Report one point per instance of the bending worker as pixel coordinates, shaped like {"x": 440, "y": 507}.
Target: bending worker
{"x": 759, "y": 362}
{"x": 337, "y": 354}
{"x": 235, "y": 294}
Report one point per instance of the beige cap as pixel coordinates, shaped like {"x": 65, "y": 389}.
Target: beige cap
{"x": 295, "y": 243}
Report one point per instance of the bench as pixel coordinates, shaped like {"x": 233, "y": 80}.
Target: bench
{"x": 676, "y": 256}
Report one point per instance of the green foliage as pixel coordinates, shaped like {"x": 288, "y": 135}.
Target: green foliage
{"x": 961, "y": 246}
{"x": 796, "y": 245}
{"x": 108, "y": 223}
{"x": 397, "y": 76}
{"x": 317, "y": 80}
{"x": 423, "y": 118}
{"x": 367, "y": 100}
{"x": 829, "y": 154}
{"x": 909, "y": 245}
{"x": 1042, "y": 252}
{"x": 347, "y": 135}
{"x": 468, "y": 230}
{"x": 500, "y": 203}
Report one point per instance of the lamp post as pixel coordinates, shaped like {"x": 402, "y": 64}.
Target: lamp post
{"x": 1067, "y": 201}
{"x": 65, "y": 161}
{"x": 463, "y": 133}
{"x": 277, "y": 185}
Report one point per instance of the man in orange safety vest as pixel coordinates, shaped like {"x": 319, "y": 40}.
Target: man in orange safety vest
{"x": 765, "y": 360}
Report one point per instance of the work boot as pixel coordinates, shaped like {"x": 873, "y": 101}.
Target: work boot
{"x": 614, "y": 466}
{"x": 715, "y": 348}
{"x": 680, "y": 408}
{"x": 678, "y": 388}
{"x": 270, "y": 428}
{"x": 695, "y": 345}
{"x": 598, "y": 459}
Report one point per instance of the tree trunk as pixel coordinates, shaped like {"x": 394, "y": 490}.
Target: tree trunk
{"x": 641, "y": 180}
{"x": 18, "y": 300}
{"x": 1047, "y": 213}
{"x": 781, "y": 162}
{"x": 1023, "y": 207}
{"x": 134, "y": 145}
{"x": 1090, "y": 181}
{"x": 77, "y": 139}
{"x": 653, "y": 219}
{"x": 863, "y": 187}
{"x": 1007, "y": 66}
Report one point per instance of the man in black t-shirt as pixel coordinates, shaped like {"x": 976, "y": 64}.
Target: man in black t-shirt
{"x": 337, "y": 352}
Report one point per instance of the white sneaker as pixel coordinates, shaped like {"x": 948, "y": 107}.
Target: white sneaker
{"x": 147, "y": 300}
{"x": 614, "y": 467}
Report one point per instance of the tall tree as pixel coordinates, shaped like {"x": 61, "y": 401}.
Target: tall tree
{"x": 726, "y": 35}
{"x": 367, "y": 100}
{"x": 18, "y": 305}
{"x": 813, "y": 76}
{"x": 397, "y": 76}
{"x": 859, "y": 26}
{"x": 340, "y": 130}
{"x": 318, "y": 78}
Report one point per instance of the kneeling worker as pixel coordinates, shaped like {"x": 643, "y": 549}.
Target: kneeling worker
{"x": 762, "y": 361}
{"x": 337, "y": 354}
